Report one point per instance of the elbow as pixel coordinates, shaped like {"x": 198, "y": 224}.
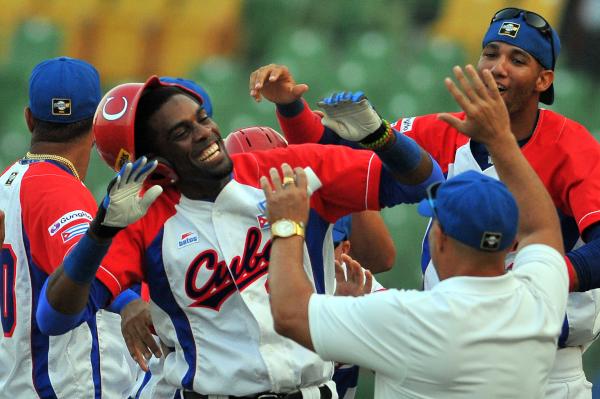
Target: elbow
{"x": 282, "y": 321}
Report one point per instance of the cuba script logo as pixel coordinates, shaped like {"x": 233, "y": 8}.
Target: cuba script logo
{"x": 224, "y": 280}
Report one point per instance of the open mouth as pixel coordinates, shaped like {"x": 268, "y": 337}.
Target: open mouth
{"x": 501, "y": 88}
{"x": 210, "y": 153}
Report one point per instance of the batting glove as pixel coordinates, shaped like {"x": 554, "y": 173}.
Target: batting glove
{"x": 350, "y": 115}
{"x": 123, "y": 204}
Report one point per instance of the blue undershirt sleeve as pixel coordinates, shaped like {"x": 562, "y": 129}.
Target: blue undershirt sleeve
{"x": 391, "y": 192}
{"x": 123, "y": 300}
{"x": 585, "y": 259}
{"x": 52, "y": 322}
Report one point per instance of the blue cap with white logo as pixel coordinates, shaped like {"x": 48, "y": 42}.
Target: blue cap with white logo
{"x": 528, "y": 31}
{"x": 474, "y": 209}
{"x": 64, "y": 90}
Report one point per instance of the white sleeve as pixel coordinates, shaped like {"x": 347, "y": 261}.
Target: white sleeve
{"x": 544, "y": 269}
{"x": 359, "y": 330}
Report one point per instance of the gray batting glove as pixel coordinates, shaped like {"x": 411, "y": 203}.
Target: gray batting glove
{"x": 350, "y": 115}
{"x": 123, "y": 204}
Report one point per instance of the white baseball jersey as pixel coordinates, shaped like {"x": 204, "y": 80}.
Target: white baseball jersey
{"x": 206, "y": 268}
{"x": 465, "y": 338}
{"x": 47, "y": 211}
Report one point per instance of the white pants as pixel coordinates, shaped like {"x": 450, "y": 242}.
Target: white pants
{"x": 567, "y": 379}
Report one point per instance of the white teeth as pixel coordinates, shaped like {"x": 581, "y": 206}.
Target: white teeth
{"x": 210, "y": 152}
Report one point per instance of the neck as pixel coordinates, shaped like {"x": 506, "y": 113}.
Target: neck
{"x": 77, "y": 153}
{"x": 523, "y": 122}
{"x": 206, "y": 191}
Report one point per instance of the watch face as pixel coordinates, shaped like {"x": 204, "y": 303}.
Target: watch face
{"x": 284, "y": 228}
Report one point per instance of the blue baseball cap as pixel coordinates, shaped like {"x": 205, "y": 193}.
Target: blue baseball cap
{"x": 341, "y": 229}
{"x": 196, "y": 88}
{"x": 514, "y": 26}
{"x": 64, "y": 90}
{"x": 474, "y": 209}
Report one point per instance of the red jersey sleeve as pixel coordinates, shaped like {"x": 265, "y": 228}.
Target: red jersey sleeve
{"x": 567, "y": 159}
{"x": 433, "y": 135}
{"x": 350, "y": 178}
{"x": 56, "y": 212}
{"x": 123, "y": 265}
{"x": 306, "y": 127}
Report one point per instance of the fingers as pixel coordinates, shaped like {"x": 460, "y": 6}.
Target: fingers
{"x": 477, "y": 83}
{"x": 368, "y": 282}
{"x": 451, "y": 120}
{"x": 268, "y": 73}
{"x": 340, "y": 275}
{"x": 150, "y": 196}
{"x": 275, "y": 179}
{"x": 490, "y": 82}
{"x": 459, "y": 97}
{"x": 300, "y": 177}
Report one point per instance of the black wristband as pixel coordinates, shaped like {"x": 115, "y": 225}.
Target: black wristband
{"x": 376, "y": 135}
{"x": 101, "y": 231}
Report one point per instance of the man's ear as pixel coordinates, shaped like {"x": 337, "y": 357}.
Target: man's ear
{"x": 544, "y": 80}
{"x": 438, "y": 237}
{"x": 164, "y": 174}
{"x": 29, "y": 120}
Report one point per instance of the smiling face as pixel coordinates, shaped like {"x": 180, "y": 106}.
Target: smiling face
{"x": 519, "y": 76}
{"x": 190, "y": 141}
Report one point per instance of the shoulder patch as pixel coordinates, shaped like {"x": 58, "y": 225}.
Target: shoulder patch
{"x": 66, "y": 219}
{"x": 404, "y": 125}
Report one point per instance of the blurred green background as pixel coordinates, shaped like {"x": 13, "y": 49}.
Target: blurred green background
{"x": 398, "y": 52}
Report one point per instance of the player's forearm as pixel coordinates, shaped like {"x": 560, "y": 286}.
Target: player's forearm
{"x": 290, "y": 290}
{"x": 372, "y": 244}
{"x": 68, "y": 287}
{"x": 538, "y": 220}
{"x": 298, "y": 123}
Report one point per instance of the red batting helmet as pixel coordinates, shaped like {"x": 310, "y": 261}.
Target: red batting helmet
{"x": 254, "y": 138}
{"x": 114, "y": 124}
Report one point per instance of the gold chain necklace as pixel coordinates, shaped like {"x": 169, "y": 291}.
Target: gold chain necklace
{"x": 57, "y": 158}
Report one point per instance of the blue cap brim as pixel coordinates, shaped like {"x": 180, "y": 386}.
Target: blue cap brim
{"x": 424, "y": 208}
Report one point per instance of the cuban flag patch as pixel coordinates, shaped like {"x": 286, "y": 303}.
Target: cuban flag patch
{"x": 74, "y": 231}
{"x": 186, "y": 239}
{"x": 263, "y": 222}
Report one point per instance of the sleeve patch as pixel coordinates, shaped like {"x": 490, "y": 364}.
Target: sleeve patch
{"x": 404, "y": 125}
{"x": 66, "y": 219}
{"x": 74, "y": 231}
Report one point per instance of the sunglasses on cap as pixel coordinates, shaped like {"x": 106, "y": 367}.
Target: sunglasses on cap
{"x": 431, "y": 193}
{"x": 532, "y": 19}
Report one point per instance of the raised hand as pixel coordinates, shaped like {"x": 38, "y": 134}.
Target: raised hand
{"x": 287, "y": 198}
{"x": 351, "y": 279}
{"x": 350, "y": 115}
{"x": 276, "y": 84}
{"x": 486, "y": 118}
{"x": 123, "y": 204}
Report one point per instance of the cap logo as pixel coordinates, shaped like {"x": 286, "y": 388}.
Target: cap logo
{"x": 61, "y": 106}
{"x": 490, "y": 241}
{"x": 122, "y": 158}
{"x": 113, "y": 117}
{"x": 509, "y": 29}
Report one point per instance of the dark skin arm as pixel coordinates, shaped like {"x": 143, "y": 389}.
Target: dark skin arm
{"x": 372, "y": 244}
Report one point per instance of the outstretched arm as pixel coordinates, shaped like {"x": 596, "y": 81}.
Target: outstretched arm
{"x": 67, "y": 290}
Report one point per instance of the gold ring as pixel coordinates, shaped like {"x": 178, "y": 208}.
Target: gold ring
{"x": 288, "y": 180}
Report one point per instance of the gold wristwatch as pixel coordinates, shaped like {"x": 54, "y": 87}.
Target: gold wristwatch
{"x": 287, "y": 228}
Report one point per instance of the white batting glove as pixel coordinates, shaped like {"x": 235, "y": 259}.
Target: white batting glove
{"x": 350, "y": 115}
{"x": 123, "y": 204}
